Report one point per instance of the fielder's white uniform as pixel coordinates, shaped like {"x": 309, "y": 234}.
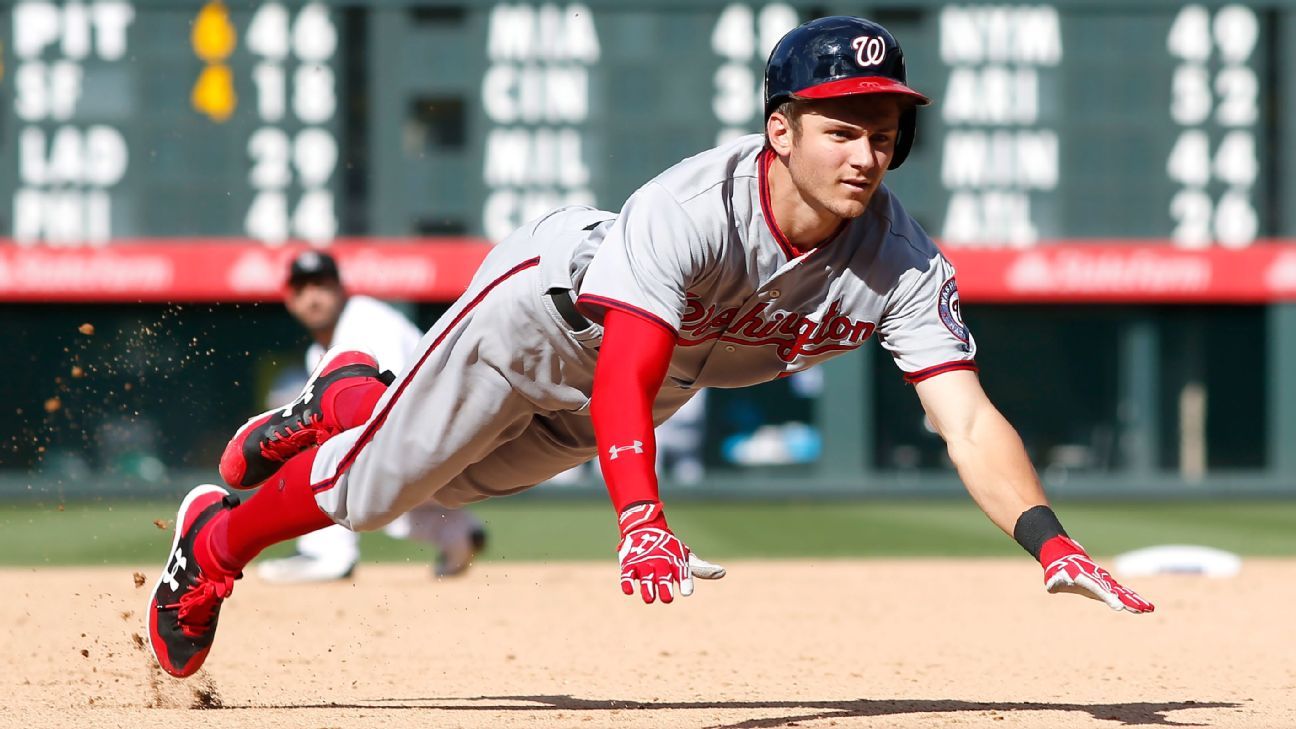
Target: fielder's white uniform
{"x": 372, "y": 326}
{"x": 498, "y": 397}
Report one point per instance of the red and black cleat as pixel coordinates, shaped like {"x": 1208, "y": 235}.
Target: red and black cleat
{"x": 268, "y": 440}
{"x": 186, "y": 601}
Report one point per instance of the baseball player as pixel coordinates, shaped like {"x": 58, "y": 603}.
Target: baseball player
{"x": 752, "y": 260}
{"x": 315, "y": 296}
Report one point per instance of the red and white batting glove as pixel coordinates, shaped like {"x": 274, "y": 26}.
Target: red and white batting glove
{"x": 651, "y": 556}
{"x": 1067, "y": 568}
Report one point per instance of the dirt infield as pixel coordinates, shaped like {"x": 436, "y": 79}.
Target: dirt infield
{"x": 823, "y": 644}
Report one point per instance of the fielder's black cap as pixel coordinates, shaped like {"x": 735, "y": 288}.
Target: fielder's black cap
{"x": 312, "y": 266}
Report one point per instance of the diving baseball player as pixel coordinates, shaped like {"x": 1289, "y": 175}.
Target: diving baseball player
{"x": 756, "y": 259}
{"x": 315, "y": 296}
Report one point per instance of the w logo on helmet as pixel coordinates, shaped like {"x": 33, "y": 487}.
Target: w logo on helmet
{"x": 870, "y": 50}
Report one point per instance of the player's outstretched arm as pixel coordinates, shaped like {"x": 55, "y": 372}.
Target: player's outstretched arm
{"x": 632, "y": 365}
{"x": 994, "y": 467}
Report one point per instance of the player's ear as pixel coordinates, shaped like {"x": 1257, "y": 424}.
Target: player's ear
{"x": 778, "y": 132}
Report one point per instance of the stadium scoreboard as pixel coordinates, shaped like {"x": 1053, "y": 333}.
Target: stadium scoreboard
{"x": 130, "y": 120}
{"x": 1151, "y": 124}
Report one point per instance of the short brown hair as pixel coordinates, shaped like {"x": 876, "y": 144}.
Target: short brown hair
{"x": 792, "y": 109}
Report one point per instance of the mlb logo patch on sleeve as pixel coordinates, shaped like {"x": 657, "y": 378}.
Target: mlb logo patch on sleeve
{"x": 951, "y": 312}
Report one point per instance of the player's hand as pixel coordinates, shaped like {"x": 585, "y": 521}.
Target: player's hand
{"x": 1067, "y": 568}
{"x": 652, "y": 558}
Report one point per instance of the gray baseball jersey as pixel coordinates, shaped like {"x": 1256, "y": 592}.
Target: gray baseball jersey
{"x": 498, "y": 399}
{"x": 698, "y": 251}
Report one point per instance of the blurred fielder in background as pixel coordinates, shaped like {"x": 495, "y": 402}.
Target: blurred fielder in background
{"x": 315, "y": 296}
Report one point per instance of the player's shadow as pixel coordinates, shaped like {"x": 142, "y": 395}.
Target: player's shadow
{"x": 1141, "y": 713}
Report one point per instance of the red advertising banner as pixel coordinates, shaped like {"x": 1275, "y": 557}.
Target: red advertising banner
{"x": 438, "y": 269}
{"x": 192, "y": 270}
{"x": 1127, "y": 272}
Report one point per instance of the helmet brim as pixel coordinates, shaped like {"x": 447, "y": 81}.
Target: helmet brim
{"x": 859, "y": 85}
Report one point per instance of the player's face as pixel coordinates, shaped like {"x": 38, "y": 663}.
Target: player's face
{"x": 317, "y": 304}
{"x": 841, "y": 154}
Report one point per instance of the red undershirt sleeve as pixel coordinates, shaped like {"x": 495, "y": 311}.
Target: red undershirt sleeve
{"x": 632, "y": 364}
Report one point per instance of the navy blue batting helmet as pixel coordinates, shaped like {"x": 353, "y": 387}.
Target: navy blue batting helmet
{"x": 841, "y": 56}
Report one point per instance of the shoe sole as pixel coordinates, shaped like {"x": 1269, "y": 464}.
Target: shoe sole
{"x": 237, "y": 483}
{"x": 310, "y": 381}
{"x": 189, "y": 499}
{"x": 259, "y": 418}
